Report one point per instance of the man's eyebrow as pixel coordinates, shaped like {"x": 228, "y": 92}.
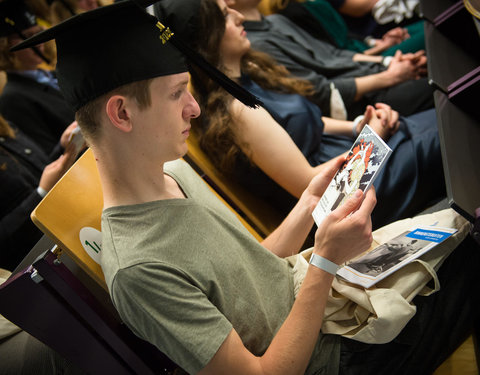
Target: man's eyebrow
{"x": 180, "y": 84}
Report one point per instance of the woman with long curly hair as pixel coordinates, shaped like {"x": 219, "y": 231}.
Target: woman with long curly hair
{"x": 275, "y": 150}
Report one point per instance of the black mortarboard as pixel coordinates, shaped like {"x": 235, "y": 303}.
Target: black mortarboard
{"x": 15, "y": 17}
{"x": 180, "y": 15}
{"x": 102, "y": 49}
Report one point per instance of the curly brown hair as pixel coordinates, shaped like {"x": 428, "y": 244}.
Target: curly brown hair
{"x": 215, "y": 127}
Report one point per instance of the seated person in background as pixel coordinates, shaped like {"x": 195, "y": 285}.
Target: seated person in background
{"x": 360, "y": 79}
{"x": 41, "y": 9}
{"x": 23, "y": 354}
{"x": 320, "y": 19}
{"x": 287, "y": 141}
{"x": 26, "y": 175}
{"x": 60, "y": 10}
{"x": 174, "y": 256}
{"x": 358, "y": 14}
{"x": 31, "y": 98}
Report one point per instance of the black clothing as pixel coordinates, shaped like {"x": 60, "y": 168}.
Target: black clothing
{"x": 21, "y": 165}
{"x": 39, "y": 110}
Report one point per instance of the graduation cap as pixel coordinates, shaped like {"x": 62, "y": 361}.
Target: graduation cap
{"x": 15, "y": 17}
{"x": 105, "y": 48}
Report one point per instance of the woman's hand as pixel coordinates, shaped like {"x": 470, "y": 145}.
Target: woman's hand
{"x": 382, "y": 119}
{"x": 389, "y": 117}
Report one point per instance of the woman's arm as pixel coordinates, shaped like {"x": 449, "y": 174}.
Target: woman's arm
{"x": 401, "y": 68}
{"x": 367, "y": 58}
{"x": 270, "y": 147}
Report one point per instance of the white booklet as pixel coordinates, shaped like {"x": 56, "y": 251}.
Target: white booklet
{"x": 392, "y": 255}
{"x": 365, "y": 159}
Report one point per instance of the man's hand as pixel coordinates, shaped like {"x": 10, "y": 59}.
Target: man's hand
{"x": 66, "y": 135}
{"x": 56, "y": 169}
{"x": 418, "y": 59}
{"x": 396, "y": 35}
{"x": 347, "y": 231}
{"x": 392, "y": 38}
{"x": 319, "y": 183}
{"x": 405, "y": 67}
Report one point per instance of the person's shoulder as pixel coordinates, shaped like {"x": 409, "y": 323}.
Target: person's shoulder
{"x": 277, "y": 19}
{"x": 183, "y": 174}
{"x": 178, "y": 167}
{"x": 14, "y": 79}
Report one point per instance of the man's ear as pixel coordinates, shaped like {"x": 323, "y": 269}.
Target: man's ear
{"x": 119, "y": 113}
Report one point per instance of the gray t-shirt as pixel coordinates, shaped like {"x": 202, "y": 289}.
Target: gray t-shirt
{"x": 183, "y": 272}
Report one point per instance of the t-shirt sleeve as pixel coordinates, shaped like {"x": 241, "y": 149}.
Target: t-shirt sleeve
{"x": 164, "y": 306}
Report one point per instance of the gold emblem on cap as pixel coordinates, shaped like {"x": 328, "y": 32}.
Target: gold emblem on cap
{"x": 166, "y": 33}
{"x": 9, "y": 21}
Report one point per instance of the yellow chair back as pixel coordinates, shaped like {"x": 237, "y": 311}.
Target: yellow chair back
{"x": 267, "y": 7}
{"x": 75, "y": 203}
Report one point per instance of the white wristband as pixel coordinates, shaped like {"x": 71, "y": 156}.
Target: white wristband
{"x": 42, "y": 192}
{"x": 370, "y": 41}
{"x": 357, "y": 120}
{"x": 386, "y": 61}
{"x": 324, "y": 264}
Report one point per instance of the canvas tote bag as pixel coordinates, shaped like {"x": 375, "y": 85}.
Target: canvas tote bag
{"x": 379, "y": 313}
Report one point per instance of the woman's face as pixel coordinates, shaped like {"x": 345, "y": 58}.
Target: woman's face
{"x": 234, "y": 43}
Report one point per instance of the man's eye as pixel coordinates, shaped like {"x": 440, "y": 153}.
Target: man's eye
{"x": 177, "y": 94}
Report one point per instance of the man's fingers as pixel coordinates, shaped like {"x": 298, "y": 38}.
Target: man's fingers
{"x": 368, "y": 203}
{"x": 349, "y": 206}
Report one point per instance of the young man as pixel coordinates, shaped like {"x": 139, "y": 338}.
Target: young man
{"x": 360, "y": 79}
{"x": 183, "y": 273}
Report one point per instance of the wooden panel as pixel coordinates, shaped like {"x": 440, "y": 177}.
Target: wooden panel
{"x": 257, "y": 212}
{"x": 461, "y": 362}
{"x": 75, "y": 202}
